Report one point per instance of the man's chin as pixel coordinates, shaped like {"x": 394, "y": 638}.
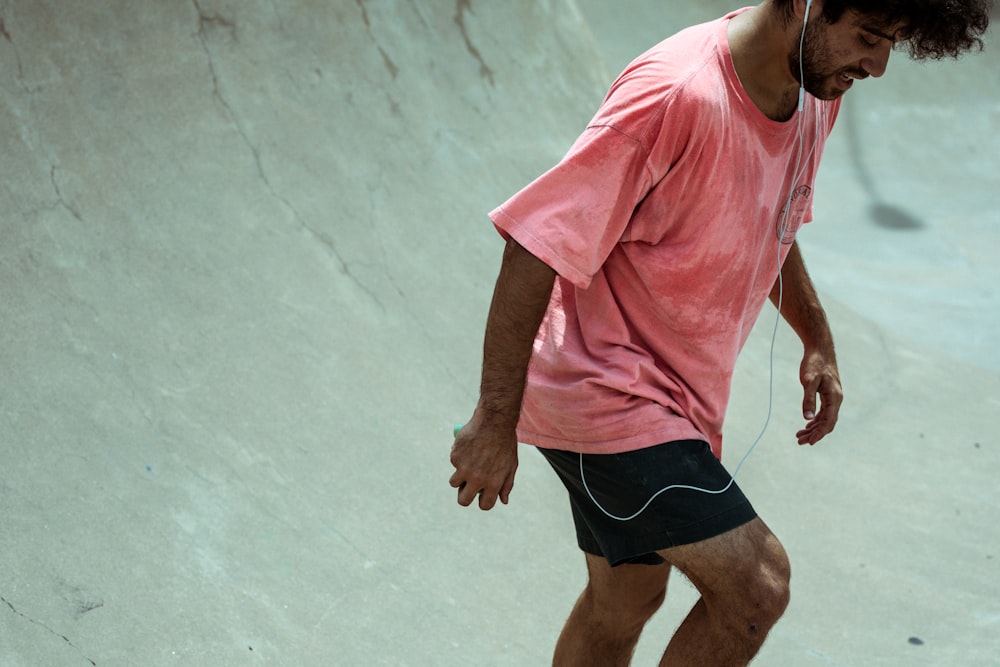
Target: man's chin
{"x": 834, "y": 94}
{"x": 828, "y": 92}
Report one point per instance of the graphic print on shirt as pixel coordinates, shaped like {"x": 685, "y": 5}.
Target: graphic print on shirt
{"x": 788, "y": 223}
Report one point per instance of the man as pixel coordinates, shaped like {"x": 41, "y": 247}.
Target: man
{"x": 633, "y": 273}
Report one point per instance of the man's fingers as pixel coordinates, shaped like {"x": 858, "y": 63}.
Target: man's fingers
{"x": 505, "y": 490}
{"x": 487, "y": 493}
{"x": 487, "y": 500}
{"x": 820, "y": 406}
{"x": 809, "y": 399}
{"x": 484, "y": 469}
{"x": 466, "y": 494}
{"x": 817, "y": 429}
{"x": 832, "y": 399}
{"x": 809, "y": 437}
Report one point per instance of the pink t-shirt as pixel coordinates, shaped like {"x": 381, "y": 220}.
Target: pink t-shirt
{"x": 664, "y": 223}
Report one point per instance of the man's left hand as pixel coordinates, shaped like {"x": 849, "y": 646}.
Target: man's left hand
{"x": 819, "y": 377}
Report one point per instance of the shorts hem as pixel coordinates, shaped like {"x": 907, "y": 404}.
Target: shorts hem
{"x": 645, "y": 551}
{"x": 628, "y": 480}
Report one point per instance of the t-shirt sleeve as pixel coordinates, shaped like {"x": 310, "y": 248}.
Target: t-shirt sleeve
{"x": 572, "y": 216}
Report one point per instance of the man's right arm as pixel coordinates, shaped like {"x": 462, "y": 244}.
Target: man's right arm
{"x": 485, "y": 450}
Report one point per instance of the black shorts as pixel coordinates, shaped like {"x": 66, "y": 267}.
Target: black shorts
{"x": 624, "y": 483}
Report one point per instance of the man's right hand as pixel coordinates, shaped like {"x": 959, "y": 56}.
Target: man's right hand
{"x": 485, "y": 461}
{"x": 485, "y": 449}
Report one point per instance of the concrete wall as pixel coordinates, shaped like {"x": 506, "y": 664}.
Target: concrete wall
{"x": 244, "y": 269}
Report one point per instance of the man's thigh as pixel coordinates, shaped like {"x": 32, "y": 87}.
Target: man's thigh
{"x": 683, "y": 492}
{"x": 730, "y": 563}
{"x": 626, "y": 586}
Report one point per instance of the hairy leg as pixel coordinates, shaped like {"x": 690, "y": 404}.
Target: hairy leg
{"x": 742, "y": 576}
{"x": 609, "y": 615}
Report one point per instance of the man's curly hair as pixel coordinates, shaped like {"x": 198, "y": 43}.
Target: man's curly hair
{"x": 932, "y": 29}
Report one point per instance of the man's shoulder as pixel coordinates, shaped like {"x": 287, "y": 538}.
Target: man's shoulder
{"x": 689, "y": 48}
{"x": 673, "y": 66}
{"x": 681, "y": 75}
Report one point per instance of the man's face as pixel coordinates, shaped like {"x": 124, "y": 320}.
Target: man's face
{"x": 835, "y": 54}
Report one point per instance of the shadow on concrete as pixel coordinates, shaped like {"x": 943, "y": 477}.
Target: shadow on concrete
{"x": 881, "y": 213}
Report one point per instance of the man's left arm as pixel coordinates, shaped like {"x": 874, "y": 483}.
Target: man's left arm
{"x": 800, "y": 307}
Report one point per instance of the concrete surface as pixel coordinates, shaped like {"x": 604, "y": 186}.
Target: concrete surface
{"x": 244, "y": 269}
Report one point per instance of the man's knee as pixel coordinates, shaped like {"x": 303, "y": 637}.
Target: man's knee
{"x": 770, "y": 593}
{"x": 754, "y": 607}
{"x": 743, "y": 576}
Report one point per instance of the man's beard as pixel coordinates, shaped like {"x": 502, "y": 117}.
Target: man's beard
{"x": 817, "y": 64}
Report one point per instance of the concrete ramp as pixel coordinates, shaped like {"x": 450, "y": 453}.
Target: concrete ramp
{"x": 244, "y": 271}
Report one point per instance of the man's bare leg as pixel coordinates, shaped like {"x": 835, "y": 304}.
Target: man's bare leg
{"x": 608, "y": 617}
{"x": 742, "y": 576}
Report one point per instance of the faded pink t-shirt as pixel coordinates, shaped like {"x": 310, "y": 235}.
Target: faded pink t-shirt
{"x": 663, "y": 223}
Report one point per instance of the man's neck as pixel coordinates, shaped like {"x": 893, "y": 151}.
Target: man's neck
{"x": 759, "y": 42}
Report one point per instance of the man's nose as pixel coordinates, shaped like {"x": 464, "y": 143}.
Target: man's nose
{"x": 876, "y": 64}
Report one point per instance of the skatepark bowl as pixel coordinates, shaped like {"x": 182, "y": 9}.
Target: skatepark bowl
{"x": 245, "y": 267}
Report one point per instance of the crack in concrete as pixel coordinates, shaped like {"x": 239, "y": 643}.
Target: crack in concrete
{"x": 5, "y": 34}
{"x": 368, "y": 561}
{"x": 390, "y": 65}
{"x": 277, "y": 16}
{"x": 462, "y": 7}
{"x": 78, "y": 599}
{"x": 60, "y": 200}
{"x": 46, "y": 628}
{"x": 376, "y": 192}
{"x": 204, "y": 22}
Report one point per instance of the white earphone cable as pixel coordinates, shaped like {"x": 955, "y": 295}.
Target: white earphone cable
{"x": 797, "y": 173}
